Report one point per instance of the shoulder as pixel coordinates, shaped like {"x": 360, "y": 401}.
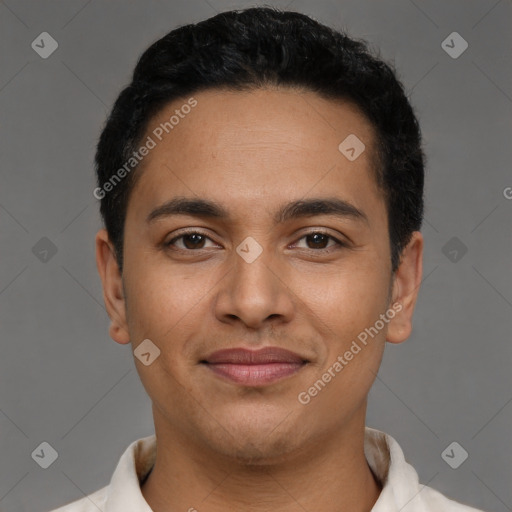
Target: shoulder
{"x": 90, "y": 503}
{"x": 401, "y": 487}
{"x": 123, "y": 492}
{"x": 436, "y": 502}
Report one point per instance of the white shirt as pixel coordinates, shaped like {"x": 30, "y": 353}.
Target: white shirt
{"x": 401, "y": 491}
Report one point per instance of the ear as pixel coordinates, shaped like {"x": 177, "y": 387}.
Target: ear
{"x": 113, "y": 293}
{"x": 406, "y": 285}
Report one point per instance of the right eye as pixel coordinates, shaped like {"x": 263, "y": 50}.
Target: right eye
{"x": 190, "y": 241}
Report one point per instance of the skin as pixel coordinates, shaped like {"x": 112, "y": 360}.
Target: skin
{"x": 223, "y": 446}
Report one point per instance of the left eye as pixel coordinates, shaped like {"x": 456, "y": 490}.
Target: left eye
{"x": 318, "y": 239}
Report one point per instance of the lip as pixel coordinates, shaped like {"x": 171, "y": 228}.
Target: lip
{"x": 254, "y": 367}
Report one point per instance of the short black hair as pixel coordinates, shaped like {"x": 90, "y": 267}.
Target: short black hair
{"x": 254, "y": 48}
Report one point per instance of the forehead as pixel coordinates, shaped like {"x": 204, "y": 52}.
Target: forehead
{"x": 260, "y": 145}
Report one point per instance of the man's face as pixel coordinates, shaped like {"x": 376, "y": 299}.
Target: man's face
{"x": 252, "y": 154}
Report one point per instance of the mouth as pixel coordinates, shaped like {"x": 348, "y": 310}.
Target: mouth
{"x": 254, "y": 367}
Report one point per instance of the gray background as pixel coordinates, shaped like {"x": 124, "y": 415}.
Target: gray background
{"x": 62, "y": 380}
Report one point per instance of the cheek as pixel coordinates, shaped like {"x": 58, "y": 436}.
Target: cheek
{"x": 161, "y": 300}
{"x": 346, "y": 300}
{"x": 164, "y": 306}
{"x": 345, "y": 307}
{"x": 345, "y": 312}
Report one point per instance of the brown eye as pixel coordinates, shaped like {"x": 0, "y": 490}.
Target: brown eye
{"x": 188, "y": 241}
{"x": 193, "y": 241}
{"x": 318, "y": 240}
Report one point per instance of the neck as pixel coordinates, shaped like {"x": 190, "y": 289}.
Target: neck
{"x": 330, "y": 475}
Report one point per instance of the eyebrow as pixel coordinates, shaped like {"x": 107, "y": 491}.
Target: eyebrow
{"x": 296, "y": 209}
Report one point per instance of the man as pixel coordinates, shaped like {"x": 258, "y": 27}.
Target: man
{"x": 261, "y": 184}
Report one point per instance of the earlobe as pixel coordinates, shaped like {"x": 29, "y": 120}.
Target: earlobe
{"x": 113, "y": 294}
{"x": 406, "y": 286}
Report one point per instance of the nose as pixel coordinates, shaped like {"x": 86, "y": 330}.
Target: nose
{"x": 255, "y": 293}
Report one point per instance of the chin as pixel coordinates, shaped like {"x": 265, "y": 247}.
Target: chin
{"x": 257, "y": 443}
{"x": 261, "y": 451}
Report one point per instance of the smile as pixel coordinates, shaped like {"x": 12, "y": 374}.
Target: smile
{"x": 254, "y": 367}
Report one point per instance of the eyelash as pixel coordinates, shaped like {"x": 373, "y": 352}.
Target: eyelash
{"x": 339, "y": 243}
